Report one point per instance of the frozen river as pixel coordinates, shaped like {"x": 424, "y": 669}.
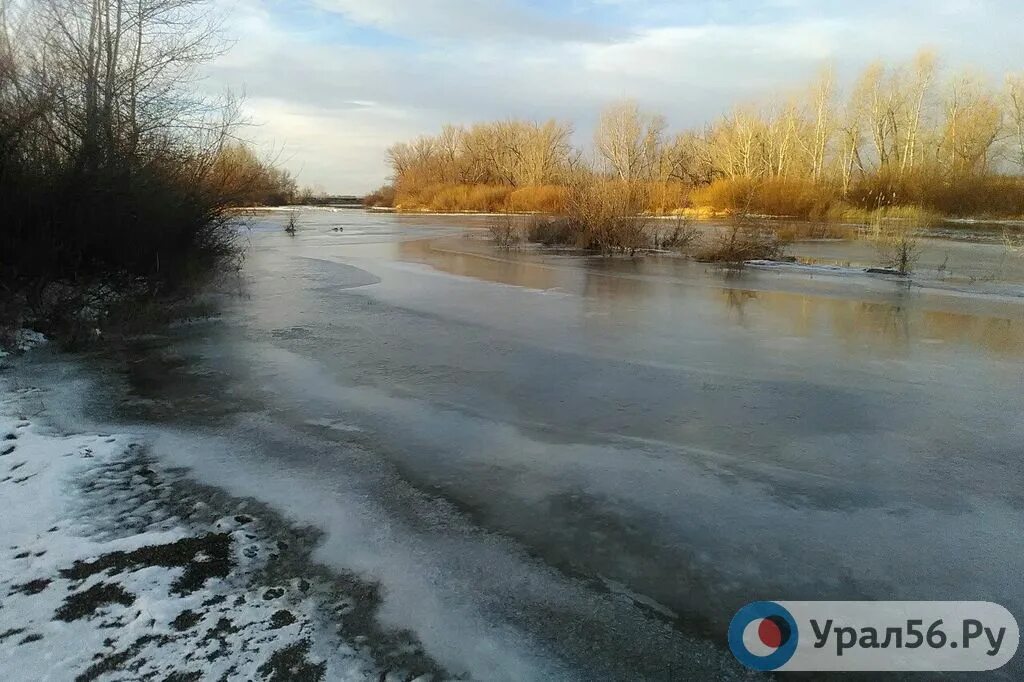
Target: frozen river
{"x": 558, "y": 466}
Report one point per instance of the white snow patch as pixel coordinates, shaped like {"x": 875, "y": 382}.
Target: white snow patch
{"x": 60, "y": 625}
{"x": 24, "y": 340}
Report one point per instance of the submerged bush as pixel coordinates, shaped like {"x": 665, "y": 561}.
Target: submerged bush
{"x": 506, "y": 232}
{"x": 897, "y": 246}
{"x": 607, "y": 216}
{"x": 740, "y": 243}
{"x": 551, "y": 231}
{"x": 681, "y": 235}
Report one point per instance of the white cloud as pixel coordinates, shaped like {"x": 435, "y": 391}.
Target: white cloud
{"x": 335, "y": 106}
{"x": 461, "y": 18}
{"x": 337, "y": 150}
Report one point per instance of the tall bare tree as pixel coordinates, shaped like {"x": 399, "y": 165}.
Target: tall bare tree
{"x": 972, "y": 124}
{"x": 629, "y": 140}
{"x": 823, "y": 116}
{"x": 1015, "y": 117}
{"x": 923, "y": 77}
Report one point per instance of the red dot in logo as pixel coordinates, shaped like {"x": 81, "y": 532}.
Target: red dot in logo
{"x": 769, "y": 633}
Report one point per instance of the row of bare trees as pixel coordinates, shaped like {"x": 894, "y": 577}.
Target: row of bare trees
{"x": 896, "y": 120}
{"x": 514, "y": 153}
{"x": 902, "y": 125}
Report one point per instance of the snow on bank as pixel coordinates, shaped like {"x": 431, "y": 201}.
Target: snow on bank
{"x": 106, "y": 569}
{"x": 24, "y": 340}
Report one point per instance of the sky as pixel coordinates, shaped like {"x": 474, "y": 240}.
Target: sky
{"x": 330, "y": 84}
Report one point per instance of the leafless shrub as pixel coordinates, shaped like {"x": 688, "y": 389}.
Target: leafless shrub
{"x": 897, "y": 245}
{"x": 681, "y": 236}
{"x": 607, "y": 217}
{"x": 739, "y": 243}
{"x": 248, "y": 180}
{"x": 551, "y": 231}
{"x": 506, "y": 231}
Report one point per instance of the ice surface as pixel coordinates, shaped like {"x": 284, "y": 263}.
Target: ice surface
{"x": 583, "y": 485}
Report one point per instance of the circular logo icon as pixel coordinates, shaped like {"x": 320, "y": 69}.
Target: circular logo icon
{"x": 763, "y": 635}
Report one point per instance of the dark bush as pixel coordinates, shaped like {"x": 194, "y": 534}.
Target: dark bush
{"x": 116, "y": 179}
{"x": 551, "y": 231}
{"x": 740, "y": 243}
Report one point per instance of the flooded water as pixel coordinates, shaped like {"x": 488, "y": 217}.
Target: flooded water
{"x": 571, "y": 467}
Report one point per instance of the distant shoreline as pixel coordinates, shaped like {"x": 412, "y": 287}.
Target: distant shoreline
{"x": 703, "y": 215}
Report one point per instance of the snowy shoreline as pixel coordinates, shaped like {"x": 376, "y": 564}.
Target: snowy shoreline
{"x": 113, "y": 565}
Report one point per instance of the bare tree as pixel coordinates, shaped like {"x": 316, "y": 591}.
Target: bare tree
{"x": 973, "y": 121}
{"x": 629, "y": 140}
{"x": 924, "y": 76}
{"x": 123, "y": 71}
{"x": 823, "y": 114}
{"x": 1015, "y": 117}
{"x": 449, "y": 145}
{"x": 544, "y": 152}
{"x": 879, "y": 101}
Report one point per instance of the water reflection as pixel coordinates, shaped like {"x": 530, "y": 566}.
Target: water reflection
{"x": 455, "y": 257}
{"x": 865, "y": 325}
{"x": 627, "y": 291}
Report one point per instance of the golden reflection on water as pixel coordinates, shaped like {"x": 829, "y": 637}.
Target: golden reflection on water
{"x": 454, "y": 257}
{"x": 868, "y": 324}
{"x": 614, "y": 287}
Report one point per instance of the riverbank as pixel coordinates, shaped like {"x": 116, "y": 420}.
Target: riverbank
{"x": 114, "y": 564}
{"x": 708, "y": 214}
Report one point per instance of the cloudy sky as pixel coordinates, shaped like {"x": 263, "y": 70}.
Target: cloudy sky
{"x": 331, "y": 83}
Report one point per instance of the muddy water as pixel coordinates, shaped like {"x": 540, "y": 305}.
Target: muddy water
{"x": 559, "y": 466}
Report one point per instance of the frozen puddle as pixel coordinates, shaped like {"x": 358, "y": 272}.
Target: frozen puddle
{"x": 111, "y": 565}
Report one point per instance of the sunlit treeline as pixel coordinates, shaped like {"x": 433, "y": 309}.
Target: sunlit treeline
{"x": 253, "y": 181}
{"x": 514, "y": 153}
{"x": 904, "y": 134}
